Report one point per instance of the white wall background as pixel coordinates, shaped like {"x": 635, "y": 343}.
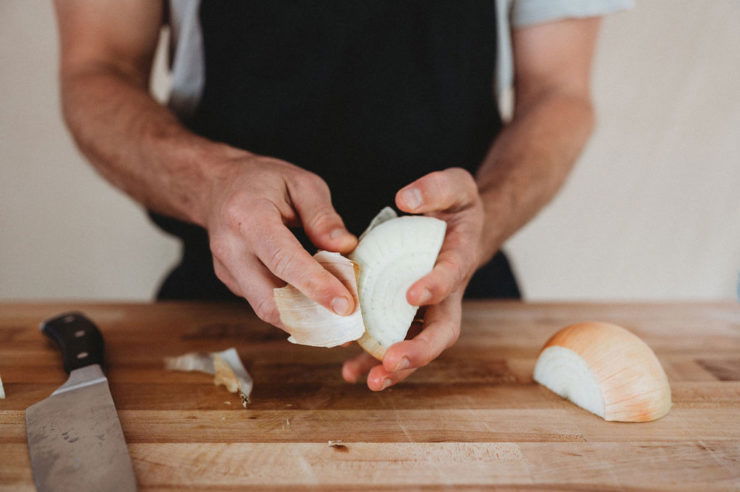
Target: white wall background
{"x": 651, "y": 212}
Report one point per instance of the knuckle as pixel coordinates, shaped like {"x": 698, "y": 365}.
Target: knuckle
{"x": 281, "y": 263}
{"x": 439, "y": 289}
{"x": 223, "y": 275}
{"x": 427, "y": 354}
{"x": 448, "y": 278}
{"x": 319, "y": 184}
{"x": 232, "y": 287}
{"x": 234, "y": 211}
{"x": 310, "y": 182}
{"x": 460, "y": 274}
{"x": 260, "y": 206}
{"x": 323, "y": 219}
{"x": 464, "y": 180}
{"x": 453, "y": 265}
{"x": 460, "y": 173}
{"x": 219, "y": 271}
{"x": 437, "y": 180}
{"x": 266, "y": 311}
{"x": 219, "y": 250}
{"x": 453, "y": 336}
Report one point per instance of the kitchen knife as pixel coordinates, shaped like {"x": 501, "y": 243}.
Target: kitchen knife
{"x": 74, "y": 436}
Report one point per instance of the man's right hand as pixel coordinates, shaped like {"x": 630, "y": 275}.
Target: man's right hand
{"x": 247, "y": 213}
{"x": 245, "y": 201}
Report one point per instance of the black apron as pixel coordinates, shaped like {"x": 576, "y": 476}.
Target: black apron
{"x": 368, "y": 94}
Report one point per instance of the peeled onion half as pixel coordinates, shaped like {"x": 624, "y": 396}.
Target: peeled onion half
{"x": 392, "y": 254}
{"x": 606, "y": 370}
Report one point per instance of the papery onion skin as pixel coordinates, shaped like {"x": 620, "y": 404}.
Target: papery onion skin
{"x": 308, "y": 322}
{"x": 634, "y": 385}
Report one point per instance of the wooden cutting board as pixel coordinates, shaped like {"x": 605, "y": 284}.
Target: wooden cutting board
{"x": 472, "y": 418}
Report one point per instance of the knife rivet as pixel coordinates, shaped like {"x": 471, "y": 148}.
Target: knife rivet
{"x": 82, "y": 355}
{"x": 79, "y": 333}
{"x": 68, "y": 319}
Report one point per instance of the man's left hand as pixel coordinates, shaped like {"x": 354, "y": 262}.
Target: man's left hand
{"x": 450, "y": 195}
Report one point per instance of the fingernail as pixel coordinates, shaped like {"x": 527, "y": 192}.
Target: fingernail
{"x": 386, "y": 383}
{"x": 424, "y": 296}
{"x": 402, "y": 364}
{"x": 412, "y": 198}
{"x": 340, "y": 305}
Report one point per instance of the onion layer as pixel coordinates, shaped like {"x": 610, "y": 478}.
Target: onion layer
{"x": 391, "y": 256}
{"x": 310, "y": 323}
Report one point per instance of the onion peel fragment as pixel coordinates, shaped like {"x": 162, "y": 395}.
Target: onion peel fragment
{"x": 226, "y": 367}
{"x": 310, "y": 323}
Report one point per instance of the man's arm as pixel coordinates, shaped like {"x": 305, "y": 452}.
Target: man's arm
{"x": 525, "y": 167}
{"x": 138, "y": 145}
{"x": 244, "y": 200}
{"x": 553, "y": 118}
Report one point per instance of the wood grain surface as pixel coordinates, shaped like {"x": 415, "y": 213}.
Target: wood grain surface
{"x": 470, "y": 420}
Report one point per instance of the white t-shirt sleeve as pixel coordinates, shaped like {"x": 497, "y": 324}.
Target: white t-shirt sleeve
{"x": 529, "y": 12}
{"x": 513, "y": 14}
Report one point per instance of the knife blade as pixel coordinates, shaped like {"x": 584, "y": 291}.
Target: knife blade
{"x": 74, "y": 437}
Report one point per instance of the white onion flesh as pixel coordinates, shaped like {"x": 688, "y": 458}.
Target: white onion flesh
{"x": 565, "y": 373}
{"x": 392, "y": 254}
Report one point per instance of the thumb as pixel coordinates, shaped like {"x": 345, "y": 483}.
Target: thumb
{"x": 323, "y": 225}
{"x": 450, "y": 189}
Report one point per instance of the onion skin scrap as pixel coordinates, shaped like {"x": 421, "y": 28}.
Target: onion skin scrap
{"x": 308, "y": 322}
{"x": 633, "y": 385}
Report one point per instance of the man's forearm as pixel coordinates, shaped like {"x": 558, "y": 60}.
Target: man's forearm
{"x": 138, "y": 145}
{"x": 529, "y": 162}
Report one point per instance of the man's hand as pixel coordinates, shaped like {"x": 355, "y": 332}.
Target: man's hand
{"x": 524, "y": 168}
{"x": 450, "y": 195}
{"x": 250, "y": 208}
{"x": 245, "y": 201}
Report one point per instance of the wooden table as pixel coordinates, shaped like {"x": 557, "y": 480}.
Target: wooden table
{"x": 472, "y": 418}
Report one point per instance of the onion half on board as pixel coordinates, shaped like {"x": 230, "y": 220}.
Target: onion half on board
{"x": 606, "y": 370}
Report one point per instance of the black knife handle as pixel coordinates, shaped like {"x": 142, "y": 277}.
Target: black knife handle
{"x": 77, "y": 338}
